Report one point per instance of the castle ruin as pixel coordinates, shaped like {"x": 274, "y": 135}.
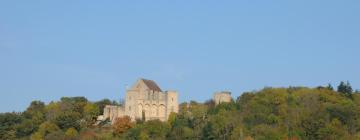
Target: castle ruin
{"x": 222, "y": 97}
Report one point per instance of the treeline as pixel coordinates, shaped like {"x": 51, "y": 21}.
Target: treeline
{"x": 63, "y": 119}
{"x": 294, "y": 113}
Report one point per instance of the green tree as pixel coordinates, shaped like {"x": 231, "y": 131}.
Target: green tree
{"x": 37, "y": 136}
{"x": 71, "y": 134}
{"x": 91, "y": 111}
{"x": 181, "y": 133}
{"x": 75, "y": 104}
{"x": 53, "y": 109}
{"x": 45, "y": 129}
{"x": 136, "y": 133}
{"x": 55, "y": 135}
{"x": 36, "y": 106}
{"x": 102, "y": 103}
{"x": 330, "y": 87}
{"x": 172, "y": 118}
{"x": 221, "y": 125}
{"x": 333, "y": 131}
{"x": 238, "y": 133}
{"x": 68, "y": 119}
{"x": 152, "y": 129}
{"x": 25, "y": 128}
{"x": 266, "y": 132}
{"x": 36, "y": 113}
{"x": 345, "y": 88}
{"x": 8, "y": 122}
{"x": 197, "y": 115}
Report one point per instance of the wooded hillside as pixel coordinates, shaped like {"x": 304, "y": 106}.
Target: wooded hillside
{"x": 292, "y": 113}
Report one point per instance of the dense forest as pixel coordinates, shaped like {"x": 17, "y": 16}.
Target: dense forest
{"x": 293, "y": 113}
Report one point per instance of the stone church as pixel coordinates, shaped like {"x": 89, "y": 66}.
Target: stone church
{"x": 144, "y": 99}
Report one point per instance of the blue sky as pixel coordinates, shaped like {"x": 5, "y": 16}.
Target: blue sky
{"x": 50, "y": 49}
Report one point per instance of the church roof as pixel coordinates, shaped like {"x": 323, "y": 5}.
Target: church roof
{"x": 151, "y": 85}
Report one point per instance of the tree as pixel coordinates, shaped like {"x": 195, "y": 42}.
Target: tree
{"x": 36, "y": 113}
{"x": 172, "y": 118}
{"x": 53, "y": 109}
{"x": 8, "y": 122}
{"x": 45, "y": 129}
{"x": 55, "y": 135}
{"x": 68, "y": 119}
{"x": 75, "y": 104}
{"x": 243, "y": 100}
{"x": 238, "y": 133}
{"x": 266, "y": 132}
{"x": 37, "y": 136}
{"x": 311, "y": 128}
{"x": 221, "y": 124}
{"x": 91, "y": 111}
{"x": 25, "y": 128}
{"x": 122, "y": 124}
{"x": 197, "y": 114}
{"x": 210, "y": 103}
{"x": 88, "y": 135}
{"x": 36, "y": 106}
{"x": 156, "y": 129}
{"x": 136, "y": 133}
{"x": 102, "y": 103}
{"x": 152, "y": 129}
{"x": 345, "y": 88}
{"x": 333, "y": 131}
{"x": 71, "y": 134}
{"x": 330, "y": 87}
{"x": 181, "y": 133}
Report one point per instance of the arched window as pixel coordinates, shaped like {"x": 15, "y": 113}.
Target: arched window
{"x": 162, "y": 111}
{"x": 147, "y": 111}
{"x": 154, "y": 110}
{"x": 140, "y": 110}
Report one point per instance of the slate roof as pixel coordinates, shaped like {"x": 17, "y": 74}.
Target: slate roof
{"x": 151, "y": 85}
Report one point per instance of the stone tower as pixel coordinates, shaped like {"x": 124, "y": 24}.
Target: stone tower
{"x": 223, "y": 96}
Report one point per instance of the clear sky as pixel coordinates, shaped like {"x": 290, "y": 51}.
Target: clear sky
{"x": 50, "y": 49}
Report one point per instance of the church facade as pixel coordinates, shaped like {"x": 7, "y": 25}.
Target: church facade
{"x": 144, "y": 100}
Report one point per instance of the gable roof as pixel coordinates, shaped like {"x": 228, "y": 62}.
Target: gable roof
{"x": 151, "y": 85}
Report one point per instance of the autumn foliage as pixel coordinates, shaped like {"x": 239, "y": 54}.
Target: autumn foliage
{"x": 122, "y": 124}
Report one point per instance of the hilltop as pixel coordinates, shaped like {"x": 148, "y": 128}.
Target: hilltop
{"x": 268, "y": 114}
